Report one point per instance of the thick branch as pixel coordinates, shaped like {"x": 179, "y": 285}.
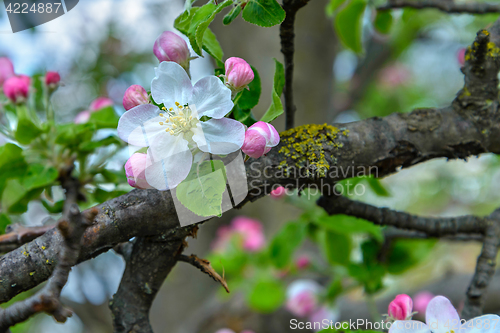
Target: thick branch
{"x": 287, "y": 36}
{"x": 18, "y": 235}
{"x": 149, "y": 263}
{"x": 445, "y": 6}
{"x": 431, "y": 226}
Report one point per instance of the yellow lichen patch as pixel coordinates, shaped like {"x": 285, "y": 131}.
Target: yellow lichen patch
{"x": 304, "y": 146}
{"x": 493, "y": 50}
{"x": 32, "y": 273}
{"x": 43, "y": 247}
{"x": 26, "y": 254}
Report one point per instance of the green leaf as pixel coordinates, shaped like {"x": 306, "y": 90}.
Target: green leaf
{"x": 334, "y": 289}
{"x": 12, "y": 163}
{"x": 332, "y": 6}
{"x": 349, "y": 25}
{"x": 370, "y": 277}
{"x": 286, "y": 242}
{"x": 39, "y": 176}
{"x": 248, "y": 99}
{"x": 4, "y": 222}
{"x": 14, "y": 191}
{"x": 232, "y": 15}
{"x": 266, "y": 295}
{"x": 211, "y": 46}
{"x": 105, "y": 118}
{"x": 72, "y": 135}
{"x": 377, "y": 187}
{"x": 26, "y": 130}
{"x": 348, "y": 225}
{"x": 337, "y": 247}
{"x": 201, "y": 192}
{"x": 276, "y": 108}
{"x": 407, "y": 253}
{"x": 264, "y": 13}
{"x": 93, "y": 145}
{"x": 203, "y": 26}
{"x": 113, "y": 176}
{"x": 383, "y": 21}
{"x": 55, "y": 208}
{"x": 183, "y": 21}
{"x": 244, "y": 116}
{"x": 101, "y": 195}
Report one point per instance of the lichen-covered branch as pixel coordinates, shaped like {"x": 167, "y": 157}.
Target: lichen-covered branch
{"x": 287, "y": 36}
{"x": 448, "y": 6}
{"x": 18, "y": 235}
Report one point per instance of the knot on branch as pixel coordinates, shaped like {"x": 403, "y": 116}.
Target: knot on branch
{"x": 482, "y": 64}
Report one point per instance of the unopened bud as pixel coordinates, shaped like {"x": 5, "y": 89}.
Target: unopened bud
{"x": 238, "y": 74}
{"x": 135, "y": 95}
{"x": 135, "y": 169}
{"x": 52, "y": 79}
{"x": 171, "y": 47}
{"x": 16, "y": 88}
{"x": 401, "y": 308}
{"x": 100, "y": 103}
{"x": 259, "y": 139}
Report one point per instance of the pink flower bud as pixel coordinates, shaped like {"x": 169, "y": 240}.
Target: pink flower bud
{"x": 401, "y": 308}
{"x": 6, "y": 69}
{"x": 135, "y": 95}
{"x": 224, "y": 330}
{"x": 52, "y": 79}
{"x": 259, "y": 139}
{"x": 421, "y": 300}
{"x": 238, "y": 74}
{"x": 82, "y": 117}
{"x": 461, "y": 56}
{"x": 303, "y": 262}
{"x": 278, "y": 192}
{"x": 135, "y": 169}
{"x": 170, "y": 47}
{"x": 16, "y": 88}
{"x": 100, "y": 103}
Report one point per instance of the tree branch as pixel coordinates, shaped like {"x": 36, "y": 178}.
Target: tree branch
{"x": 287, "y": 36}
{"x": 71, "y": 226}
{"x": 149, "y": 263}
{"x": 445, "y": 6}
{"x": 485, "y": 269}
{"x": 18, "y": 235}
{"x": 205, "y": 266}
{"x": 431, "y": 226}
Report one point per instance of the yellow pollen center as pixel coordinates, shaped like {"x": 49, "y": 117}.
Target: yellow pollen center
{"x": 178, "y": 121}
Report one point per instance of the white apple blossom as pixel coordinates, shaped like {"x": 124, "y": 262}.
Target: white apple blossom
{"x": 190, "y": 122}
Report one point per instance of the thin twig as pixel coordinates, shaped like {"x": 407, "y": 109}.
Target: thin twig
{"x": 205, "y": 266}
{"x": 19, "y": 235}
{"x": 287, "y": 36}
{"x": 445, "y": 6}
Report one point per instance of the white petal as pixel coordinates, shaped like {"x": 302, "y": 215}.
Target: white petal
{"x": 441, "y": 316}
{"x": 170, "y": 163}
{"x": 482, "y": 324}
{"x": 211, "y": 98}
{"x": 135, "y": 125}
{"x": 409, "y": 326}
{"x": 171, "y": 84}
{"x": 219, "y": 136}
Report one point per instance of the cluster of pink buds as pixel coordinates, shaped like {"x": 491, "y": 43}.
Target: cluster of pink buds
{"x": 98, "y": 104}
{"x": 259, "y": 139}
{"x": 238, "y": 75}
{"x": 171, "y": 47}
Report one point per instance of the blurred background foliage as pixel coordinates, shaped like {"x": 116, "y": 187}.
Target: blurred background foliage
{"x": 101, "y": 47}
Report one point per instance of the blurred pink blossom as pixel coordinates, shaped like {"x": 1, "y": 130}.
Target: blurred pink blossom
{"x": 6, "y": 69}
{"x": 421, "y": 300}
{"x": 16, "y": 88}
{"x": 302, "y": 297}
{"x": 100, "y": 103}
{"x": 278, "y": 192}
{"x": 52, "y": 79}
{"x": 394, "y": 75}
{"x": 303, "y": 261}
{"x": 324, "y": 313}
{"x": 82, "y": 117}
{"x": 461, "y": 56}
{"x": 224, "y": 330}
{"x": 248, "y": 230}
